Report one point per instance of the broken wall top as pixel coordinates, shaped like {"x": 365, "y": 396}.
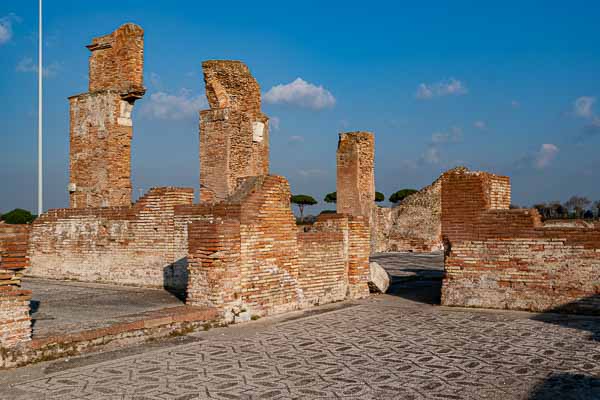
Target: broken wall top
{"x": 229, "y": 84}
{"x": 117, "y": 62}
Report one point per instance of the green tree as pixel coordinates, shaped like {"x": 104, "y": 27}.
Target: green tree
{"x": 597, "y": 206}
{"x": 302, "y": 200}
{"x": 18, "y": 216}
{"x": 379, "y": 197}
{"x": 331, "y": 197}
{"x": 577, "y": 204}
{"x": 401, "y": 195}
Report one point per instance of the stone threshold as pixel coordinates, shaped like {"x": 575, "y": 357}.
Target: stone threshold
{"x": 149, "y": 325}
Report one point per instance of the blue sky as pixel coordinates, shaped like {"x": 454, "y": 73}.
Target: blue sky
{"x": 510, "y": 89}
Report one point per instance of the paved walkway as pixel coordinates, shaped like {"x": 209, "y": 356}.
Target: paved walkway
{"x": 387, "y": 347}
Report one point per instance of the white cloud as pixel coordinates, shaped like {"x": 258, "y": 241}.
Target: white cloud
{"x": 451, "y": 87}
{"x": 302, "y": 94}
{"x": 296, "y": 139}
{"x": 583, "y": 106}
{"x": 162, "y": 105}
{"x": 274, "y": 123}
{"x": 155, "y": 80}
{"x": 27, "y": 65}
{"x": 545, "y": 155}
{"x": 480, "y": 125}
{"x": 454, "y": 136}
{"x": 308, "y": 173}
{"x": 431, "y": 155}
{"x": 6, "y": 31}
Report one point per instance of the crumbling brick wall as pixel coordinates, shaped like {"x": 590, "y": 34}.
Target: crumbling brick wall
{"x": 15, "y": 322}
{"x": 501, "y": 258}
{"x": 137, "y": 245}
{"x": 247, "y": 253}
{"x": 101, "y": 127}
{"x": 415, "y": 224}
{"x": 234, "y": 133}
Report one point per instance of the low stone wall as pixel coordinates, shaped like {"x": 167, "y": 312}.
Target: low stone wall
{"x": 248, "y": 256}
{"x": 501, "y": 258}
{"x": 137, "y": 245}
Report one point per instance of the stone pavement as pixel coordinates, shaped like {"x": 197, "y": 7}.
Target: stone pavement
{"x": 62, "y": 307}
{"x": 396, "y": 346}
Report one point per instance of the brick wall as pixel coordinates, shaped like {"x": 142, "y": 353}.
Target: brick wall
{"x": 501, "y": 258}
{"x": 323, "y": 257}
{"x": 247, "y": 253}
{"x": 138, "y": 245}
{"x": 101, "y": 127}
{"x": 234, "y": 133}
{"x": 15, "y": 322}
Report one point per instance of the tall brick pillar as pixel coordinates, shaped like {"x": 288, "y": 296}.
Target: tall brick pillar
{"x": 355, "y": 182}
{"x": 234, "y": 133}
{"x": 355, "y": 174}
{"x": 101, "y": 128}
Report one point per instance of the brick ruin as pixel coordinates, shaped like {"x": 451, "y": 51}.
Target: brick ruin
{"x": 101, "y": 126}
{"x": 414, "y": 225}
{"x": 234, "y": 133}
{"x": 355, "y": 182}
{"x": 498, "y": 257}
{"x": 238, "y": 250}
{"x": 246, "y": 253}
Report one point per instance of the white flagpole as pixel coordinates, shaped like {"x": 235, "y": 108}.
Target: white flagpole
{"x": 40, "y": 99}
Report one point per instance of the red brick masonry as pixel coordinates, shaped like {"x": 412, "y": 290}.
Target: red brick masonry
{"x": 247, "y": 254}
{"x": 501, "y": 258}
{"x": 15, "y": 322}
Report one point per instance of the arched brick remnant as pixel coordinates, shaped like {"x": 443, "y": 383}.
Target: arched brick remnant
{"x": 355, "y": 183}
{"x": 234, "y": 133}
{"x": 101, "y": 127}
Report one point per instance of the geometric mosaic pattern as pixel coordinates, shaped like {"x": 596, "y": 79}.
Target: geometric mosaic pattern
{"x": 382, "y": 348}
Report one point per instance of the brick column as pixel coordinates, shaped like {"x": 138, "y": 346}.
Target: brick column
{"x": 359, "y": 250}
{"x": 101, "y": 127}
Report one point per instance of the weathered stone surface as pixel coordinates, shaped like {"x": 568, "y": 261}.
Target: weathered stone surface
{"x": 143, "y": 245}
{"x": 414, "y": 225}
{"x": 379, "y": 279}
{"x": 502, "y": 258}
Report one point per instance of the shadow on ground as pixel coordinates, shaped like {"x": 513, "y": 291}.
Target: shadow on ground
{"x": 414, "y": 276}
{"x": 583, "y": 315}
{"x": 565, "y": 386}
